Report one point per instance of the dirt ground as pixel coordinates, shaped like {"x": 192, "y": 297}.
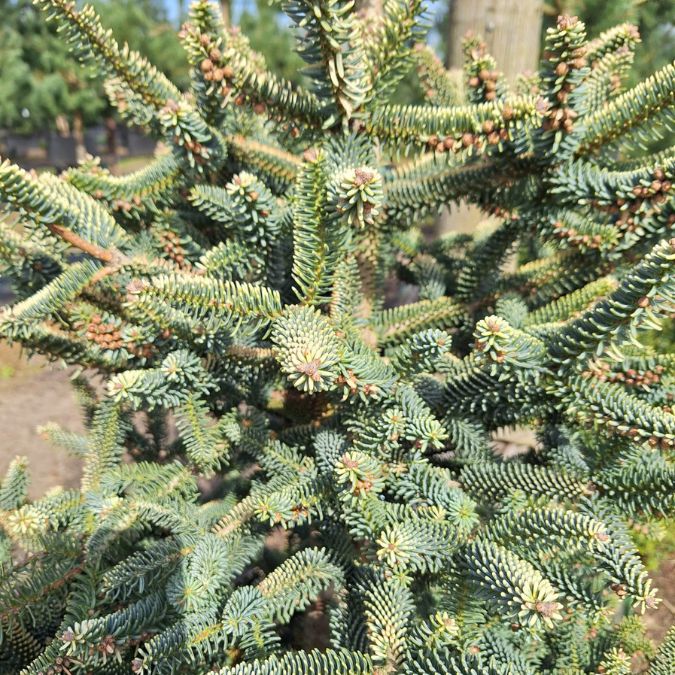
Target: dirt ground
{"x": 658, "y": 622}
{"x": 33, "y": 393}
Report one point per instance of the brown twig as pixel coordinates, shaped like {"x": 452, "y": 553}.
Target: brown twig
{"x": 253, "y": 353}
{"x": 84, "y": 245}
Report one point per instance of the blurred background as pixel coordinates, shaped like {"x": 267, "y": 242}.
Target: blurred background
{"x": 53, "y": 112}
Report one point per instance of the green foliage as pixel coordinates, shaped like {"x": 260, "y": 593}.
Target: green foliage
{"x": 243, "y": 298}
{"x": 666, "y": 656}
{"x": 651, "y": 19}
{"x": 40, "y": 80}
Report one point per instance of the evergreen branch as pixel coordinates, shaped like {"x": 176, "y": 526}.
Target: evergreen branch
{"x": 390, "y": 44}
{"x": 397, "y": 324}
{"x": 562, "y": 70}
{"x": 77, "y": 241}
{"x": 568, "y": 306}
{"x": 446, "y": 660}
{"x": 588, "y": 185}
{"x": 90, "y": 40}
{"x": 148, "y": 188}
{"x": 298, "y": 581}
{"x": 51, "y": 297}
{"x": 496, "y": 480}
{"x": 605, "y": 80}
{"x": 338, "y": 662}
{"x": 474, "y": 280}
{"x": 640, "y": 299}
{"x": 388, "y": 607}
{"x": 609, "y": 406}
{"x": 202, "y": 442}
{"x": 421, "y": 189}
{"x": 229, "y": 70}
{"x": 269, "y": 160}
{"x": 105, "y": 449}
{"x": 485, "y": 82}
{"x": 524, "y": 594}
{"x": 75, "y": 444}
{"x": 14, "y": 485}
{"x": 135, "y": 75}
{"x": 202, "y": 295}
{"x": 332, "y": 48}
{"x": 80, "y": 220}
{"x": 317, "y": 242}
{"x": 462, "y": 127}
{"x": 263, "y": 90}
{"x": 629, "y": 110}
{"x": 624, "y": 35}
{"x": 665, "y": 656}
{"x": 441, "y": 87}
{"x": 307, "y": 349}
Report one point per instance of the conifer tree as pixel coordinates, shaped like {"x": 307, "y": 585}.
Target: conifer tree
{"x": 233, "y": 294}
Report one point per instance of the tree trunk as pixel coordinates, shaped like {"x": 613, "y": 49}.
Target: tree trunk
{"x": 62, "y": 126}
{"x": 78, "y": 135}
{"x": 512, "y": 31}
{"x": 111, "y": 137}
{"x": 225, "y": 11}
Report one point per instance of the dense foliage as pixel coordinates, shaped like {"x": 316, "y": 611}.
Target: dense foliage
{"x": 242, "y": 296}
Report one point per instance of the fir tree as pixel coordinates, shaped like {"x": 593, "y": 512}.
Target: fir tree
{"x": 234, "y": 295}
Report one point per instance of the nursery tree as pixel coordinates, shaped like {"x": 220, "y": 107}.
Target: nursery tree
{"x": 261, "y": 23}
{"x": 40, "y": 80}
{"x": 240, "y": 296}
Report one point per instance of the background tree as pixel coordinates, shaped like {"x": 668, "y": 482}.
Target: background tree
{"x": 226, "y": 11}
{"x": 265, "y": 26}
{"x": 40, "y": 81}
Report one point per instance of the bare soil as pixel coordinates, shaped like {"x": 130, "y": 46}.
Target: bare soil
{"x": 660, "y": 620}
{"x": 32, "y": 393}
